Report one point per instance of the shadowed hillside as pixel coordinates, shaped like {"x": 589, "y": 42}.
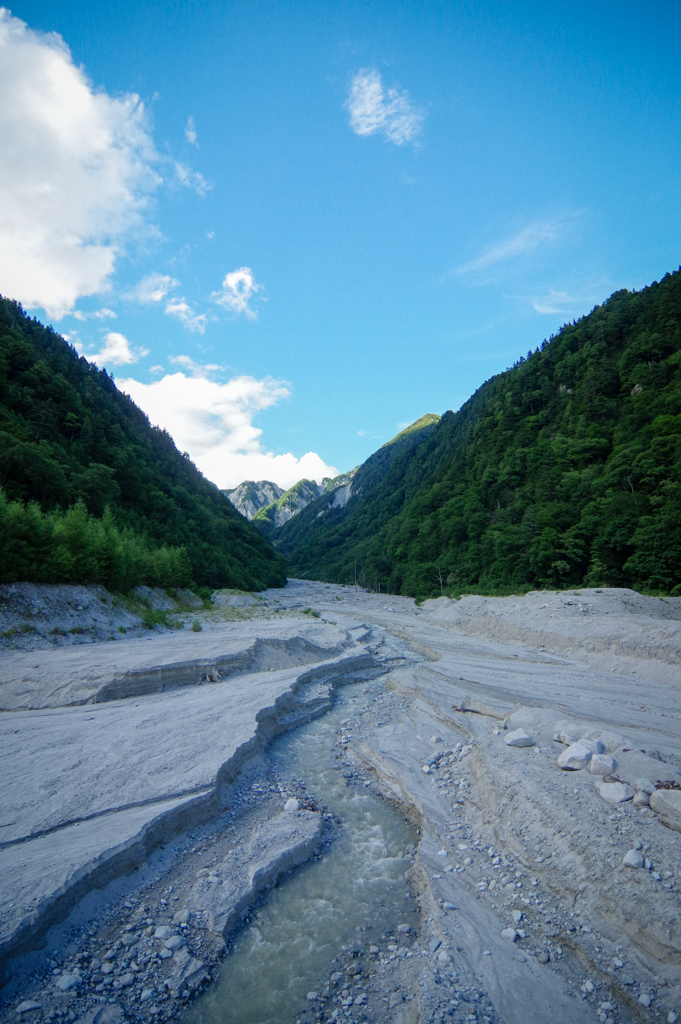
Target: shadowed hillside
{"x": 91, "y": 492}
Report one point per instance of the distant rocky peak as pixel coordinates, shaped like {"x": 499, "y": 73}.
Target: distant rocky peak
{"x": 252, "y": 495}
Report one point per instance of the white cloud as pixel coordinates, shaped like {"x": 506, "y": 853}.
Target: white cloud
{"x": 99, "y": 314}
{"x": 196, "y": 369}
{"x": 190, "y": 133}
{"x": 116, "y": 351}
{"x": 554, "y": 302}
{"x": 214, "y": 423}
{"x": 525, "y": 241}
{"x": 371, "y": 112}
{"x": 76, "y": 168}
{"x": 237, "y": 289}
{"x": 192, "y": 179}
{"x": 195, "y": 322}
{"x": 153, "y": 288}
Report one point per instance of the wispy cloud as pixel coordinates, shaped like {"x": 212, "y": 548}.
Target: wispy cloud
{"x": 195, "y": 369}
{"x": 554, "y": 302}
{"x": 576, "y": 301}
{"x": 192, "y": 179}
{"x": 237, "y": 289}
{"x": 153, "y": 288}
{"x": 99, "y": 314}
{"x": 195, "y": 322}
{"x": 526, "y": 241}
{"x": 371, "y": 111}
{"x": 117, "y": 351}
{"x": 190, "y": 133}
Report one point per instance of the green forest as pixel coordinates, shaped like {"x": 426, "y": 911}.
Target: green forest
{"x": 90, "y": 492}
{"x": 563, "y": 471}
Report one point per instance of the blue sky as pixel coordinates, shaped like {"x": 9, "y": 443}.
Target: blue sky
{"x": 291, "y": 228}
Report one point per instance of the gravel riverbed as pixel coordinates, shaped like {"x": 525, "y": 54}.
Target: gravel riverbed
{"x": 528, "y": 892}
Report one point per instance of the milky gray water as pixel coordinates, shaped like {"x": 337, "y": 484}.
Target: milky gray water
{"x": 355, "y": 893}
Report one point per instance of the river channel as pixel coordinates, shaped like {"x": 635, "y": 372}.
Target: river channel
{"x": 355, "y": 893}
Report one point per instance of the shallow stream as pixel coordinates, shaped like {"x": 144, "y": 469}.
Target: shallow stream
{"x": 356, "y": 893}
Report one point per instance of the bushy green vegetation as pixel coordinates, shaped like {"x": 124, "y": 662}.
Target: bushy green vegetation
{"x": 93, "y": 493}
{"x": 563, "y": 471}
{"x": 72, "y": 546}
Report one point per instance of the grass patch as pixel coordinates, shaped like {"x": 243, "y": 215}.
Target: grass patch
{"x": 196, "y": 626}
{"x": 311, "y": 611}
{"x": 154, "y": 617}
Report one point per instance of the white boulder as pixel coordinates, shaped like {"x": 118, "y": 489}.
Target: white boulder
{"x": 65, "y": 982}
{"x": 510, "y": 934}
{"x": 645, "y": 786}
{"x": 667, "y": 803}
{"x": 518, "y": 738}
{"x": 615, "y": 792}
{"x": 602, "y": 764}
{"x": 292, "y": 805}
{"x": 575, "y": 757}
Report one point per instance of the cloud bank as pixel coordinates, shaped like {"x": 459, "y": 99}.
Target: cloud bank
{"x": 214, "y": 423}
{"x": 76, "y": 169}
{"x": 371, "y": 111}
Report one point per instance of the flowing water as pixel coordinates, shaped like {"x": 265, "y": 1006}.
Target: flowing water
{"x": 355, "y": 893}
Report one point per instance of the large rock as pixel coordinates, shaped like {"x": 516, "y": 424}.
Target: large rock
{"x": 602, "y": 764}
{"x": 633, "y": 859}
{"x": 187, "y": 972}
{"x": 575, "y": 757}
{"x": 615, "y": 792}
{"x": 65, "y": 982}
{"x": 518, "y": 738}
{"x": 667, "y": 803}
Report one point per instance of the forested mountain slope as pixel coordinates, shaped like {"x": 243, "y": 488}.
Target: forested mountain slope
{"x": 563, "y": 471}
{"x": 317, "y": 522}
{"x": 140, "y": 511}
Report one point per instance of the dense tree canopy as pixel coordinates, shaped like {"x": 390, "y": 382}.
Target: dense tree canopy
{"x": 563, "y": 471}
{"x": 70, "y": 439}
